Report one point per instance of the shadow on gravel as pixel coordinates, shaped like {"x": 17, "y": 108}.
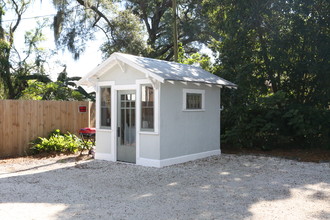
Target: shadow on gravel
{"x": 66, "y": 160}
{"x": 220, "y": 187}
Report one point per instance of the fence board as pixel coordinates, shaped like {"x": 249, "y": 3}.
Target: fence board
{"x": 22, "y": 121}
{"x": 34, "y": 124}
{"x": 2, "y": 110}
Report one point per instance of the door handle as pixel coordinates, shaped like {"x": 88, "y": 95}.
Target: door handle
{"x": 118, "y": 132}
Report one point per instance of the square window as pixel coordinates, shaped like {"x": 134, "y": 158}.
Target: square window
{"x": 193, "y": 100}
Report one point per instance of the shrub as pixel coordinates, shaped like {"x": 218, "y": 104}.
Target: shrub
{"x": 276, "y": 122}
{"x": 57, "y": 142}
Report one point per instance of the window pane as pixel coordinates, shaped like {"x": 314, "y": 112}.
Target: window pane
{"x": 147, "y": 107}
{"x": 194, "y": 101}
{"x": 105, "y": 107}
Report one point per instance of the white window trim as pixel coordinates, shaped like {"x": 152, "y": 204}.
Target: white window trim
{"x": 111, "y": 91}
{"x": 100, "y": 85}
{"x": 147, "y": 130}
{"x": 184, "y": 102}
{"x": 141, "y": 82}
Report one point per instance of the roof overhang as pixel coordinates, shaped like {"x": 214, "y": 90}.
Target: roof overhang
{"x": 115, "y": 59}
{"x": 122, "y": 60}
{"x": 221, "y": 85}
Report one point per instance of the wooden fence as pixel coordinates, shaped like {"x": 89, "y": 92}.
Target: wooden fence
{"x": 22, "y": 121}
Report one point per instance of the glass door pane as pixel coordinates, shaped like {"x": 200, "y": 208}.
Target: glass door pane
{"x": 126, "y": 127}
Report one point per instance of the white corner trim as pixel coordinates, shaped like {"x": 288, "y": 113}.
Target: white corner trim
{"x": 175, "y": 160}
{"x": 186, "y": 158}
{"x": 104, "y": 156}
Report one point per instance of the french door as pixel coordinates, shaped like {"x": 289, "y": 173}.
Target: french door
{"x": 126, "y": 128}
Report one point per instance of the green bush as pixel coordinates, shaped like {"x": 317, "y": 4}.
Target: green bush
{"x": 57, "y": 142}
{"x": 275, "y": 122}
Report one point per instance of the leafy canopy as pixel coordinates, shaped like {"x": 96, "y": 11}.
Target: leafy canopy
{"x": 141, "y": 27}
{"x": 277, "y": 51}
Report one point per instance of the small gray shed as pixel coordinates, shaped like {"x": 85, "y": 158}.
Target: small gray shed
{"x": 153, "y": 112}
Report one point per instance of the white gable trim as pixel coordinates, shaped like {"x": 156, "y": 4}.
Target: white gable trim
{"x": 143, "y": 70}
{"x": 114, "y": 59}
{"x": 124, "y": 59}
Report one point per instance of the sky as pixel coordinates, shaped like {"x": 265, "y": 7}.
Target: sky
{"x": 88, "y": 60}
{"x": 91, "y": 58}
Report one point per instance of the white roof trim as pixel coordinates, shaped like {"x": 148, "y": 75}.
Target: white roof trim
{"x": 158, "y": 70}
{"x": 143, "y": 70}
{"x": 114, "y": 59}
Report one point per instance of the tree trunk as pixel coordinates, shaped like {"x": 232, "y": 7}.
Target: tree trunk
{"x": 269, "y": 71}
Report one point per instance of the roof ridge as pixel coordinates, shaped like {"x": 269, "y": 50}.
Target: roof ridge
{"x": 159, "y": 60}
{"x": 161, "y": 70}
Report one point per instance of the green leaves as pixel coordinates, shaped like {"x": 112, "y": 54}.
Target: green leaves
{"x": 41, "y": 87}
{"x": 141, "y": 27}
{"x": 275, "y": 52}
{"x": 57, "y": 142}
{"x": 16, "y": 68}
{"x": 127, "y": 35}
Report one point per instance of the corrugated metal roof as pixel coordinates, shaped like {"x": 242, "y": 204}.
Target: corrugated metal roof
{"x": 158, "y": 69}
{"x": 176, "y": 71}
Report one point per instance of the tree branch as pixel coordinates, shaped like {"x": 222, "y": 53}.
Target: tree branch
{"x": 19, "y": 11}
{"x": 96, "y": 10}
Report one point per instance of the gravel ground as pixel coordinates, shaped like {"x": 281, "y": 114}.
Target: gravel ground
{"x": 218, "y": 187}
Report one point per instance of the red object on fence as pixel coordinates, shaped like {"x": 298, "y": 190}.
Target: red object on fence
{"x": 82, "y": 108}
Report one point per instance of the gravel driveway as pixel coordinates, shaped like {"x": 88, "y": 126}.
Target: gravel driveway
{"x": 218, "y": 187}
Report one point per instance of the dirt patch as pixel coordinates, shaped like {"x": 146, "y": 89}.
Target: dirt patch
{"x": 219, "y": 187}
{"x": 304, "y": 155}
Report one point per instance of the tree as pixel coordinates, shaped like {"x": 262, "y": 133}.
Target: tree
{"x": 126, "y": 37}
{"x": 144, "y": 27}
{"x": 157, "y": 18}
{"x": 76, "y": 22}
{"x": 23, "y": 74}
{"x": 276, "y": 51}
{"x": 64, "y": 88}
{"x": 17, "y": 68}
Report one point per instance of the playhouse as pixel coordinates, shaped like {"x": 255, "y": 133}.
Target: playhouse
{"x": 155, "y": 113}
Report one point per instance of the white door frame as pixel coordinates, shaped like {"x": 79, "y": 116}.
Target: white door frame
{"x": 124, "y": 151}
{"x": 114, "y": 110}
{"x": 112, "y": 155}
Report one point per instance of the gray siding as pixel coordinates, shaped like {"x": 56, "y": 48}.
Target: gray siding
{"x": 183, "y": 132}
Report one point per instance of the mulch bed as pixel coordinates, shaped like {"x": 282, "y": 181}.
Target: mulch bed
{"x": 305, "y": 155}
